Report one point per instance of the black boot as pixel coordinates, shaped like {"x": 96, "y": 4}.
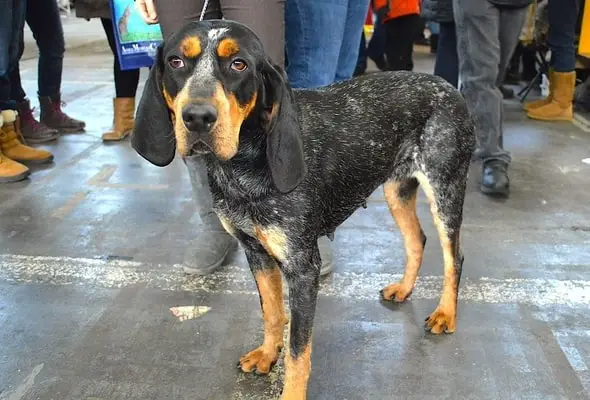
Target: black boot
{"x": 494, "y": 179}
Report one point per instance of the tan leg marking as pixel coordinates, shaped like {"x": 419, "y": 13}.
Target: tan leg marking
{"x": 227, "y": 225}
{"x": 444, "y": 316}
{"x": 297, "y": 371}
{"x": 270, "y": 287}
{"x": 273, "y": 240}
{"x": 404, "y": 213}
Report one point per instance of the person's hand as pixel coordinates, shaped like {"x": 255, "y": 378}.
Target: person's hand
{"x": 147, "y": 10}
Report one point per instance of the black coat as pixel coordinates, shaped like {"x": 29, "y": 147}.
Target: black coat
{"x": 437, "y": 10}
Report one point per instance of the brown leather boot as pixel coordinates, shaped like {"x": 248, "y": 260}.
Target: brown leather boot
{"x": 53, "y": 116}
{"x": 11, "y": 171}
{"x": 124, "y": 119}
{"x": 33, "y": 131}
{"x": 11, "y": 146}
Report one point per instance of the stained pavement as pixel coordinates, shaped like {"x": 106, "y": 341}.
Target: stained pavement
{"x": 90, "y": 253}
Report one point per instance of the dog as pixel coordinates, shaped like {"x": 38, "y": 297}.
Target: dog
{"x": 287, "y": 166}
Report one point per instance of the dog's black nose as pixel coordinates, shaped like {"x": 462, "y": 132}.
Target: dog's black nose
{"x": 199, "y": 117}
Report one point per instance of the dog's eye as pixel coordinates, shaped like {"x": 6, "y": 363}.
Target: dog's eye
{"x": 175, "y": 62}
{"x": 238, "y": 65}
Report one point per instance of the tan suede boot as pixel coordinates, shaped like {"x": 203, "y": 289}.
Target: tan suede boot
{"x": 124, "y": 119}
{"x": 529, "y": 105}
{"x": 11, "y": 146}
{"x": 561, "y": 106}
{"x": 11, "y": 171}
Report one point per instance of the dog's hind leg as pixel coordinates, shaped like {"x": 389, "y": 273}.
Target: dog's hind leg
{"x": 401, "y": 199}
{"x": 270, "y": 289}
{"x": 446, "y": 196}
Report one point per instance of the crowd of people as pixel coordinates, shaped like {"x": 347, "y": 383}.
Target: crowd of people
{"x": 318, "y": 42}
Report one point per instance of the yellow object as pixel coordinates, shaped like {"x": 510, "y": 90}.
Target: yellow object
{"x": 584, "y": 46}
{"x": 123, "y": 121}
{"x": 561, "y": 106}
{"x": 11, "y": 146}
{"x": 527, "y": 34}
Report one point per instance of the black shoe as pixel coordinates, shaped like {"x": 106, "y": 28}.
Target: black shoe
{"x": 507, "y": 93}
{"x": 494, "y": 179}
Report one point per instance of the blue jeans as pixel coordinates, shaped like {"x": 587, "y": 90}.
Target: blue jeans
{"x": 563, "y": 15}
{"x": 12, "y": 21}
{"x": 322, "y": 40}
{"x": 43, "y": 18}
{"x": 447, "y": 60}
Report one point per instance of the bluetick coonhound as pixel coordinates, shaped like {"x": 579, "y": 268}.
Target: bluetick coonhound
{"x": 287, "y": 166}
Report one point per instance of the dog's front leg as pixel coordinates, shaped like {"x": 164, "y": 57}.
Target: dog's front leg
{"x": 302, "y": 272}
{"x": 270, "y": 289}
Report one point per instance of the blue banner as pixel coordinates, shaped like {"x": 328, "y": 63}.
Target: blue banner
{"x": 136, "y": 40}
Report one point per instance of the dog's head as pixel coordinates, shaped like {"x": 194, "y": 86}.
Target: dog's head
{"x": 207, "y": 80}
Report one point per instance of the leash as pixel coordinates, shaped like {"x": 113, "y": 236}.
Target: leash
{"x": 205, "y": 4}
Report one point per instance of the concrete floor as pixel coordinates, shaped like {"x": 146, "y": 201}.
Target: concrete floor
{"x": 90, "y": 269}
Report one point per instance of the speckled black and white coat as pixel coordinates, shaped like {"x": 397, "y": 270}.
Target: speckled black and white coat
{"x": 305, "y": 161}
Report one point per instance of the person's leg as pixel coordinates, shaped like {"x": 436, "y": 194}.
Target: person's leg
{"x": 563, "y": 15}
{"x": 45, "y": 22}
{"x": 361, "y": 62}
{"x": 32, "y": 130}
{"x": 353, "y": 30}
{"x": 11, "y": 24}
{"x": 434, "y": 28}
{"x": 401, "y": 32}
{"x": 212, "y": 243}
{"x": 10, "y": 170}
{"x": 376, "y": 46}
{"x": 314, "y": 30}
{"x": 513, "y": 74}
{"x": 126, "y": 83}
{"x": 12, "y": 151}
{"x": 447, "y": 63}
{"x": 478, "y": 47}
{"x": 511, "y": 23}
{"x": 529, "y": 64}
{"x": 266, "y": 18}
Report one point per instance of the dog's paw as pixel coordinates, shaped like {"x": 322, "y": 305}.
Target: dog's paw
{"x": 440, "y": 321}
{"x": 259, "y": 361}
{"x": 395, "y": 292}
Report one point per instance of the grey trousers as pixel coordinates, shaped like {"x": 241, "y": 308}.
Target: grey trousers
{"x": 266, "y": 18}
{"x": 486, "y": 38}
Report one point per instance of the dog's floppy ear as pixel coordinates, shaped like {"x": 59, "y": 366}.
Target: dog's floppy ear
{"x": 153, "y": 137}
{"x": 284, "y": 146}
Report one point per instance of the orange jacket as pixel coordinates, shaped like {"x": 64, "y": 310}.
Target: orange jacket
{"x": 390, "y": 9}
